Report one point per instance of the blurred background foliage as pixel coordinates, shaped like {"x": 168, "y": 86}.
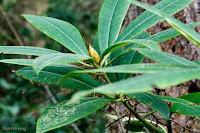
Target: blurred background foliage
{"x": 16, "y": 108}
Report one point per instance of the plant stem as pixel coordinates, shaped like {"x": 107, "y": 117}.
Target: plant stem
{"x": 141, "y": 119}
{"x": 106, "y": 78}
{"x": 169, "y": 125}
{"x": 120, "y": 121}
{"x": 87, "y": 65}
{"x": 149, "y": 114}
{"x": 95, "y": 65}
{"x": 105, "y": 58}
{"x": 11, "y": 26}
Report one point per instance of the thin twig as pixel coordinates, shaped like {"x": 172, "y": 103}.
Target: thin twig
{"x": 53, "y": 99}
{"x": 11, "y": 26}
{"x": 120, "y": 121}
{"x": 9, "y": 38}
{"x": 183, "y": 126}
{"x": 141, "y": 119}
{"x": 116, "y": 120}
{"x": 41, "y": 105}
{"x": 94, "y": 120}
{"x": 147, "y": 111}
{"x": 25, "y": 90}
{"x": 129, "y": 119}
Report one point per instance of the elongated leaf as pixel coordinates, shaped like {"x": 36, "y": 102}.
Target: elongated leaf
{"x": 197, "y": 62}
{"x": 148, "y": 19}
{"x": 144, "y": 83}
{"x": 188, "y": 33}
{"x": 182, "y": 106}
{"x": 63, "y": 32}
{"x": 64, "y": 113}
{"x": 51, "y": 75}
{"x": 26, "y": 50}
{"x": 96, "y": 44}
{"x": 25, "y": 62}
{"x": 170, "y": 33}
{"x": 111, "y": 17}
{"x": 148, "y": 43}
{"x": 155, "y": 102}
{"x": 131, "y": 57}
{"x": 165, "y": 58}
{"x": 63, "y": 58}
{"x": 130, "y": 68}
{"x": 192, "y": 97}
{"x": 28, "y": 62}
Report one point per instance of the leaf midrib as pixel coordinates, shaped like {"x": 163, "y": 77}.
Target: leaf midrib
{"x": 155, "y": 102}
{"x": 183, "y": 104}
{"x": 63, "y": 33}
{"x": 34, "y": 49}
{"x": 147, "y": 19}
{"x": 111, "y": 22}
{"x": 61, "y": 76}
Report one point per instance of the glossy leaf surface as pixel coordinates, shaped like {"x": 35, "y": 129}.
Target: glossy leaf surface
{"x": 63, "y": 58}
{"x": 144, "y": 83}
{"x": 170, "y": 33}
{"x": 61, "y": 31}
{"x": 26, "y": 50}
{"x": 28, "y": 62}
{"x": 64, "y": 113}
{"x": 131, "y": 68}
{"x": 154, "y": 101}
{"x": 148, "y": 43}
{"x": 188, "y": 33}
{"x": 184, "y": 107}
{"x": 193, "y": 97}
{"x": 165, "y": 58}
{"x": 111, "y": 17}
{"x": 51, "y": 75}
{"x": 148, "y": 19}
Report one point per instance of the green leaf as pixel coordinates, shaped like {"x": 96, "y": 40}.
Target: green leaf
{"x": 63, "y": 58}
{"x": 96, "y": 44}
{"x": 148, "y": 43}
{"x": 182, "y": 106}
{"x": 25, "y": 62}
{"x": 162, "y": 79}
{"x": 155, "y": 102}
{"x": 188, "y": 33}
{"x": 51, "y": 75}
{"x": 148, "y": 19}
{"x": 26, "y": 50}
{"x": 165, "y": 58}
{"x": 111, "y": 17}
{"x": 131, "y": 57}
{"x": 28, "y": 62}
{"x": 170, "y": 33}
{"x": 129, "y": 68}
{"x": 135, "y": 127}
{"x": 63, "y": 32}
{"x": 193, "y": 97}
{"x": 65, "y": 112}
{"x": 197, "y": 62}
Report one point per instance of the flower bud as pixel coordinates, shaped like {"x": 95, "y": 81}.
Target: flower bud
{"x": 93, "y": 53}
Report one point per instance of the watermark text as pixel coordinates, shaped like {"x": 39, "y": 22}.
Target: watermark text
{"x": 14, "y": 129}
